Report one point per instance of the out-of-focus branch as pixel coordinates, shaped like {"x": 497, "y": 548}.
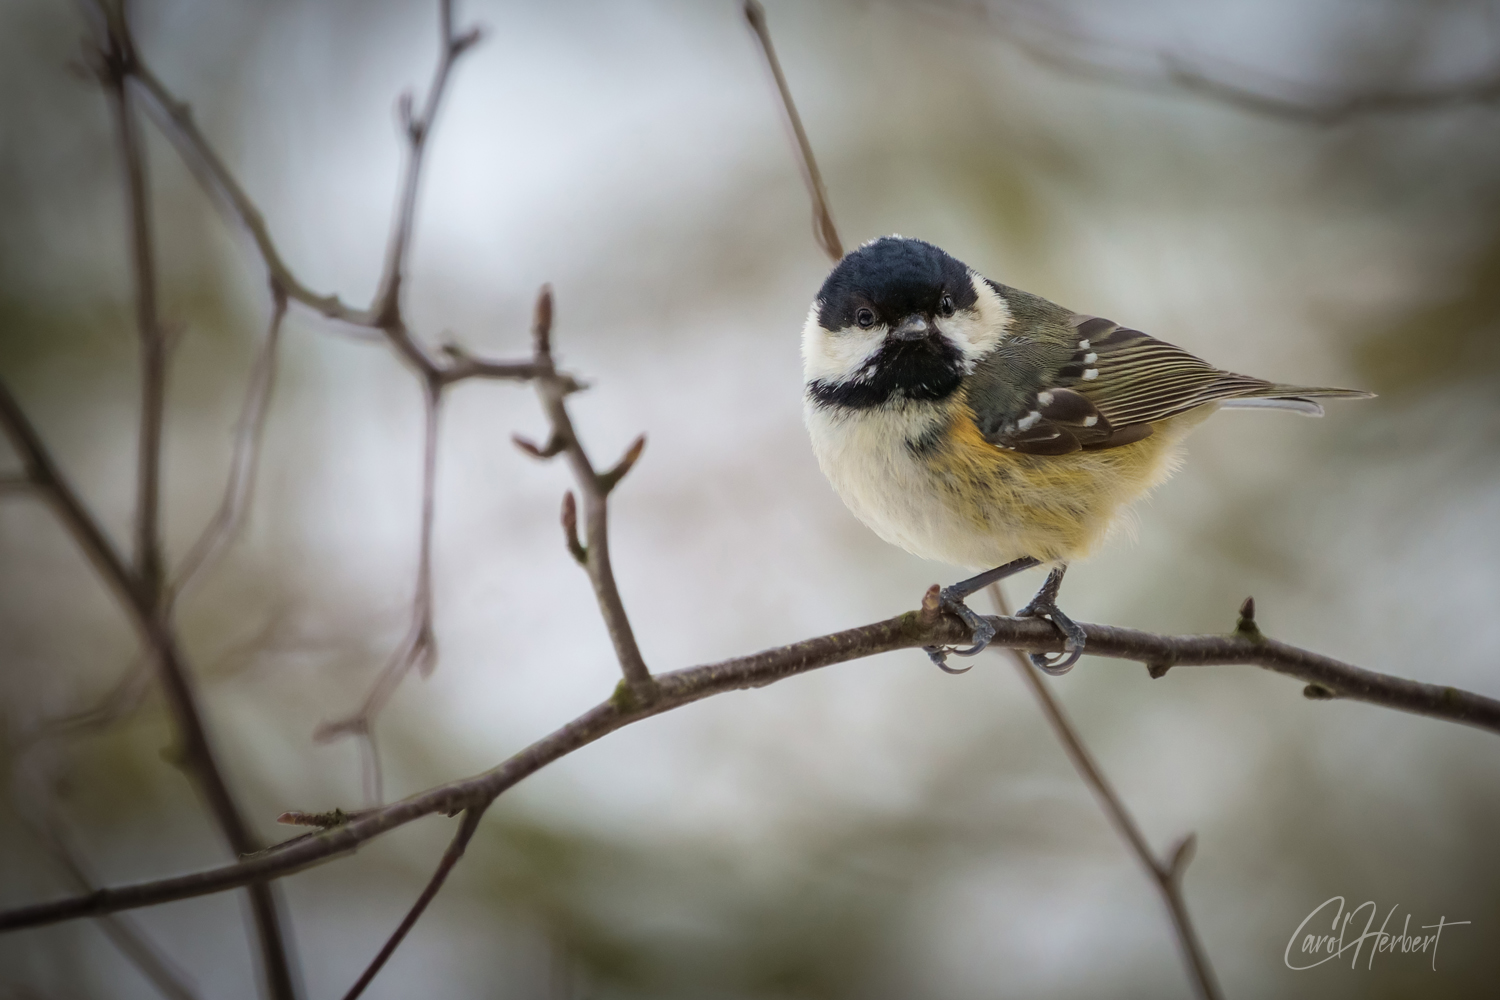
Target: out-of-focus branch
{"x": 48, "y": 826}
{"x": 928, "y": 627}
{"x": 243, "y": 462}
{"x": 147, "y": 583}
{"x": 113, "y": 61}
{"x": 1100, "y": 60}
{"x": 824, "y": 230}
{"x": 418, "y": 648}
{"x": 1167, "y": 875}
{"x": 386, "y": 310}
{"x": 553, "y": 390}
{"x": 455, "y": 850}
{"x": 159, "y": 640}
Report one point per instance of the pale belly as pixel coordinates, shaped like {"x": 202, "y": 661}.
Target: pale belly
{"x": 970, "y": 504}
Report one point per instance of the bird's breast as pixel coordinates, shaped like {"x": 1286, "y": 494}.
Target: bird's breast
{"x": 923, "y": 477}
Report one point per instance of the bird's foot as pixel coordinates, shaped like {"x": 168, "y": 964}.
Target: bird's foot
{"x": 1044, "y": 605}
{"x": 952, "y": 600}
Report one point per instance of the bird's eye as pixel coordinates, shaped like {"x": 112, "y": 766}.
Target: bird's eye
{"x": 945, "y": 305}
{"x": 864, "y": 317}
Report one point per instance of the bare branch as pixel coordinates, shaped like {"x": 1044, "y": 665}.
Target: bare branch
{"x": 47, "y": 825}
{"x": 419, "y": 647}
{"x": 243, "y": 463}
{"x": 593, "y": 552}
{"x": 14, "y": 485}
{"x": 175, "y": 119}
{"x": 824, "y": 230}
{"x": 681, "y": 687}
{"x": 386, "y": 310}
{"x": 455, "y": 850}
{"x": 1101, "y": 60}
{"x": 159, "y": 640}
{"x": 114, "y": 59}
{"x": 147, "y": 584}
{"x": 1166, "y": 876}
{"x": 463, "y": 365}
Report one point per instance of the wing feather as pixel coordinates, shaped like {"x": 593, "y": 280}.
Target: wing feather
{"x": 1112, "y": 384}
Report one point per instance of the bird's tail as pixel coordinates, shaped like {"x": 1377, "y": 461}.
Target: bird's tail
{"x": 1297, "y": 398}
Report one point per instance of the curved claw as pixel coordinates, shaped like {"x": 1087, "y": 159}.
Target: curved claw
{"x": 979, "y": 626}
{"x": 939, "y": 656}
{"x": 1044, "y": 605}
{"x": 1044, "y": 663}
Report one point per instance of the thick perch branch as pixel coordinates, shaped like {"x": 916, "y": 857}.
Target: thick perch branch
{"x": 681, "y": 687}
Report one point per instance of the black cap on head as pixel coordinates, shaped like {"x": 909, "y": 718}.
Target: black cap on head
{"x": 896, "y": 277}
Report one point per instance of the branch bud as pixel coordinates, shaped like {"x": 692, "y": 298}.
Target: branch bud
{"x": 554, "y": 445}
{"x": 541, "y": 325}
{"x": 932, "y": 601}
{"x": 1246, "y": 628}
{"x": 609, "y": 480}
{"x": 570, "y": 529}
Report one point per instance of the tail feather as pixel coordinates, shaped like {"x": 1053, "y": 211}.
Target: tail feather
{"x": 1296, "y": 398}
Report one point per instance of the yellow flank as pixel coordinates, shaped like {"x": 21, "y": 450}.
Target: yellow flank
{"x": 1053, "y": 507}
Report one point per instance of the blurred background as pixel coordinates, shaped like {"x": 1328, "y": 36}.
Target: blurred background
{"x": 875, "y": 829}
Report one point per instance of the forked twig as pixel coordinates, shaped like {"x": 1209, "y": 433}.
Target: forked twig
{"x": 593, "y": 551}
{"x": 1167, "y": 875}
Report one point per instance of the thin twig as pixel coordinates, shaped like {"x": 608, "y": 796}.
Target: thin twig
{"x": 1167, "y": 876}
{"x": 1083, "y": 56}
{"x": 553, "y": 390}
{"x": 455, "y": 850}
{"x": 386, "y": 309}
{"x": 418, "y": 647}
{"x": 114, "y": 58}
{"x": 927, "y": 627}
{"x": 243, "y": 463}
{"x": 824, "y": 230}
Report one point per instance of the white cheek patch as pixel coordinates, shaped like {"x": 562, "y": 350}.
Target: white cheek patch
{"x": 837, "y": 357}
{"x": 977, "y": 329}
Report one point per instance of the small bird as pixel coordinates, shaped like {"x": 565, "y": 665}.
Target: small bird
{"x": 977, "y": 424}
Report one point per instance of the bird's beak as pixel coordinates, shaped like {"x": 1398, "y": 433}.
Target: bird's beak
{"x": 914, "y": 327}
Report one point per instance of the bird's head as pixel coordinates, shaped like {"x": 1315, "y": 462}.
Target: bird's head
{"x": 898, "y": 319}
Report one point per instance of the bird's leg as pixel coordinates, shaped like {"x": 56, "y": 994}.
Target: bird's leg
{"x": 952, "y": 599}
{"x": 1044, "y": 605}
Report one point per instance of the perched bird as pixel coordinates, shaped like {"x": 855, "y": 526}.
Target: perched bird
{"x": 980, "y": 425}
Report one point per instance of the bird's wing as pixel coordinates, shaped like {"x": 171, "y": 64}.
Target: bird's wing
{"x": 1109, "y": 385}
